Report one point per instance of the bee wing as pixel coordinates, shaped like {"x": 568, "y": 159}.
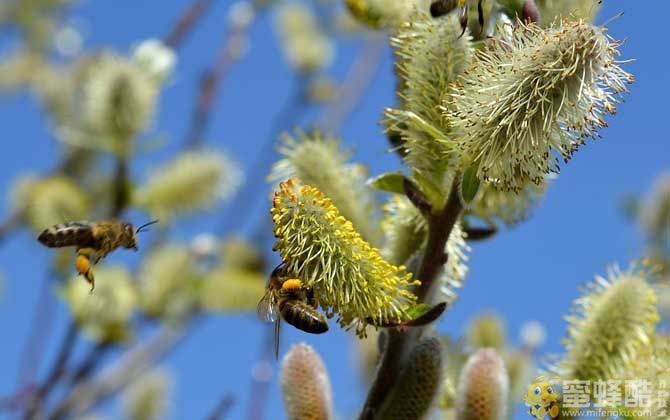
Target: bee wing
{"x": 267, "y": 307}
{"x": 79, "y": 234}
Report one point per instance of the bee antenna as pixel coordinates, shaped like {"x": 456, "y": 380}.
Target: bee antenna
{"x": 139, "y": 229}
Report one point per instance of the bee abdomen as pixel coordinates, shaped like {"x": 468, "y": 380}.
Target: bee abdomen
{"x": 303, "y": 316}
{"x": 66, "y": 234}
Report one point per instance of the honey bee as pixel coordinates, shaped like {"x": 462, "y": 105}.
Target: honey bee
{"x": 442, "y": 7}
{"x": 287, "y": 299}
{"x": 92, "y": 240}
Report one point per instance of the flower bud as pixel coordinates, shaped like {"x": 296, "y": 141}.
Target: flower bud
{"x": 305, "y": 385}
{"x": 483, "y": 388}
{"x": 417, "y": 385}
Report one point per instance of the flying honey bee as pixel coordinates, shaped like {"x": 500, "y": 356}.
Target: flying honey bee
{"x": 93, "y": 241}
{"x": 442, "y": 7}
{"x": 287, "y": 299}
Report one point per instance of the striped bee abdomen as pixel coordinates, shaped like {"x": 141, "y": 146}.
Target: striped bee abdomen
{"x": 79, "y": 234}
{"x": 302, "y": 316}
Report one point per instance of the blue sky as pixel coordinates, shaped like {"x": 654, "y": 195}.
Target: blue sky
{"x": 530, "y": 272}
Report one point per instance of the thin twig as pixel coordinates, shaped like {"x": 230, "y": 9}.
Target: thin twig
{"x": 88, "y": 393}
{"x": 260, "y": 388}
{"x": 400, "y": 342}
{"x": 243, "y": 204}
{"x": 230, "y": 51}
{"x": 89, "y": 363}
{"x": 356, "y": 83}
{"x": 222, "y": 407}
{"x": 186, "y": 23}
{"x": 40, "y": 325}
{"x": 13, "y": 221}
{"x": 57, "y": 370}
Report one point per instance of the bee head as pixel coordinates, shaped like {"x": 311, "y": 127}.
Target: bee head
{"x": 129, "y": 236}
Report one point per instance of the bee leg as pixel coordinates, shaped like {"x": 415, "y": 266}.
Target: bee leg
{"x": 83, "y": 266}
{"x": 311, "y": 299}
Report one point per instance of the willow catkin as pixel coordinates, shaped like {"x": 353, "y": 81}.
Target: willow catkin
{"x": 483, "y": 388}
{"x": 305, "y": 385}
{"x": 418, "y": 384}
{"x": 349, "y": 277}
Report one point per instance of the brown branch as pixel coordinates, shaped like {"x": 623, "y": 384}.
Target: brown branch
{"x": 399, "y": 342}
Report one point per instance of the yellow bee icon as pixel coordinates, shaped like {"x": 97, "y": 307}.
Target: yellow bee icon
{"x": 542, "y": 400}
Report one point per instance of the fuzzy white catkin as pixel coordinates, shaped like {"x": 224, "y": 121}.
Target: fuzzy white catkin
{"x": 613, "y": 322}
{"x": 306, "y": 47}
{"x": 147, "y": 398}
{"x": 165, "y": 282}
{"x": 193, "y": 181}
{"x": 48, "y": 201}
{"x": 430, "y": 56}
{"x": 156, "y": 58}
{"x": 104, "y": 314}
{"x": 483, "y": 388}
{"x": 119, "y": 99}
{"x": 534, "y": 99}
{"x": 305, "y": 385}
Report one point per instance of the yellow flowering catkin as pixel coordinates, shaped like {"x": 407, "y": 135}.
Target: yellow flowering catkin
{"x": 534, "y": 99}
{"x": 349, "y": 277}
{"x": 305, "y": 385}
{"x": 612, "y": 322}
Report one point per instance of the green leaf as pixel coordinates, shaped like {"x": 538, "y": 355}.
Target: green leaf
{"x": 424, "y": 314}
{"x": 469, "y": 184}
{"x": 389, "y": 182}
{"x": 418, "y": 310}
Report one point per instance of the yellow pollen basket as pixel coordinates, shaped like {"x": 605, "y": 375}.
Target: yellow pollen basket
{"x": 291, "y": 284}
